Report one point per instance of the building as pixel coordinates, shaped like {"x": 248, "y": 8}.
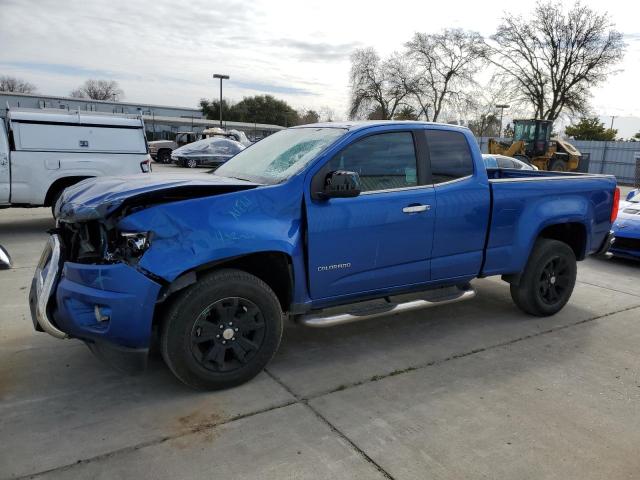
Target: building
{"x": 161, "y": 121}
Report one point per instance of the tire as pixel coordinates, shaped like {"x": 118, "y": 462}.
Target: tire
{"x": 191, "y": 163}
{"x": 221, "y": 331}
{"x": 548, "y": 279}
{"x": 558, "y": 165}
{"x": 164, "y": 156}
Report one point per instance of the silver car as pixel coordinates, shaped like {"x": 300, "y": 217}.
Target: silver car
{"x": 502, "y": 161}
{"x": 212, "y": 151}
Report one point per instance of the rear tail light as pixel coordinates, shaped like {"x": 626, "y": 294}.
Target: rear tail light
{"x": 616, "y": 204}
{"x": 145, "y": 166}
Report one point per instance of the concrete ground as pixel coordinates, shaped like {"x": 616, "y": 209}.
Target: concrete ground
{"x": 470, "y": 390}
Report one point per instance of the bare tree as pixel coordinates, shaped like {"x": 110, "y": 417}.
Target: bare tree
{"x": 480, "y": 111}
{"x": 17, "y": 85}
{"x": 554, "y": 58}
{"x": 99, "y": 90}
{"x": 374, "y": 90}
{"x": 445, "y": 65}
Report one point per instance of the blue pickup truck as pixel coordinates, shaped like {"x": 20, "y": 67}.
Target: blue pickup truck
{"x": 321, "y": 224}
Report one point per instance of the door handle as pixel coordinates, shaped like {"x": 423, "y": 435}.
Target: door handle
{"x": 416, "y": 208}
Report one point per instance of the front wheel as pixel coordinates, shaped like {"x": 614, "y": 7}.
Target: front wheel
{"x": 191, "y": 163}
{"x": 548, "y": 279}
{"x": 222, "y": 331}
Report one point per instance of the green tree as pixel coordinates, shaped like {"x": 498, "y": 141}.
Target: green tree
{"x": 590, "y": 128}
{"x": 211, "y": 110}
{"x": 407, "y": 112}
{"x": 309, "y": 116}
{"x": 257, "y": 109}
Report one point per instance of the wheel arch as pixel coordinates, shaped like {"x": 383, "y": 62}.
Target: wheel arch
{"x": 275, "y": 268}
{"x": 573, "y": 234}
{"x": 60, "y": 184}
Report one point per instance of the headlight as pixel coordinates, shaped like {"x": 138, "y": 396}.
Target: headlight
{"x": 136, "y": 243}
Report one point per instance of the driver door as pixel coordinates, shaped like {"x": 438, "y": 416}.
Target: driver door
{"x": 382, "y": 238}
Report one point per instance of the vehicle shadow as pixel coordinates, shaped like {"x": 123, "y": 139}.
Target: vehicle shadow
{"x": 312, "y": 362}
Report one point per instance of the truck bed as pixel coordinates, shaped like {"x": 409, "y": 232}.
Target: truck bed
{"x": 520, "y": 199}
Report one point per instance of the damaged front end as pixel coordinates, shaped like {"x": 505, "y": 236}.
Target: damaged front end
{"x": 98, "y": 292}
{"x": 101, "y": 243}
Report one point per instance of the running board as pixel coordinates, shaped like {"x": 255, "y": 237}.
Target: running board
{"x": 369, "y": 310}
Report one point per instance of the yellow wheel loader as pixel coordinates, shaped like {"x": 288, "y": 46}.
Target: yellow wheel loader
{"x": 532, "y": 143}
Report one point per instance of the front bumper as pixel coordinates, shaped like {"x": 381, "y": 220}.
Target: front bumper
{"x": 628, "y": 247}
{"x": 111, "y": 304}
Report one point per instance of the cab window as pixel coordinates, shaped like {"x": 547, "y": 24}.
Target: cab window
{"x": 383, "y": 161}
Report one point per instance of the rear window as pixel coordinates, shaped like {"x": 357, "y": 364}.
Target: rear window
{"x": 449, "y": 155}
{"x": 77, "y": 138}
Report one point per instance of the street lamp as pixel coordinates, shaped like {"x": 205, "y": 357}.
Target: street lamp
{"x": 221, "y": 77}
{"x": 501, "y": 107}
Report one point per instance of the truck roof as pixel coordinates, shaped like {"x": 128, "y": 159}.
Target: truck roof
{"x": 72, "y": 118}
{"x": 362, "y": 124}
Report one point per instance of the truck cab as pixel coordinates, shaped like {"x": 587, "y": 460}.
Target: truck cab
{"x": 43, "y": 153}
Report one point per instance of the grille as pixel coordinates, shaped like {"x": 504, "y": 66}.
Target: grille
{"x": 627, "y": 243}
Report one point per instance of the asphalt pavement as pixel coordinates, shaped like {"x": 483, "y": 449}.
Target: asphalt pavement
{"x": 470, "y": 390}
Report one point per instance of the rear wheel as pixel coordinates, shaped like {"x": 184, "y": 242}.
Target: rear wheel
{"x": 222, "y": 331}
{"x": 548, "y": 279}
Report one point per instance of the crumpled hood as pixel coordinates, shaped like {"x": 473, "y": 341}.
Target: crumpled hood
{"x": 100, "y": 197}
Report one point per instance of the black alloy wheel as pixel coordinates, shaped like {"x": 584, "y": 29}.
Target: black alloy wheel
{"x": 554, "y": 280}
{"x": 227, "y": 334}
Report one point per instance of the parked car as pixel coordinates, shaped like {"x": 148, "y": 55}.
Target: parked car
{"x": 626, "y": 228}
{"x": 160, "y": 150}
{"x": 41, "y": 153}
{"x": 350, "y": 217}
{"x": 502, "y": 161}
{"x": 212, "y": 152}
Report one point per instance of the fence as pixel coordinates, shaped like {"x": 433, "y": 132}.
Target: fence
{"x": 621, "y": 159}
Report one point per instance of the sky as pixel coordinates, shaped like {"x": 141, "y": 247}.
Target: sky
{"x": 165, "y": 52}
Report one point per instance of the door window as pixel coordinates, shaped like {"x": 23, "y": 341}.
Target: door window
{"x": 383, "y": 161}
{"x": 449, "y": 155}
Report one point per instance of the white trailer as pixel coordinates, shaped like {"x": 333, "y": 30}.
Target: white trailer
{"x": 43, "y": 153}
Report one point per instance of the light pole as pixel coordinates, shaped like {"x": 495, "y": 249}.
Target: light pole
{"x": 221, "y": 77}
{"x": 501, "y": 107}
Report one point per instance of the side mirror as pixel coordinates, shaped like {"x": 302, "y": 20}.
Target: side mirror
{"x": 5, "y": 259}
{"x": 341, "y": 184}
{"x": 632, "y": 194}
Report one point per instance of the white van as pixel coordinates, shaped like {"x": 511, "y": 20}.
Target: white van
{"x": 42, "y": 153}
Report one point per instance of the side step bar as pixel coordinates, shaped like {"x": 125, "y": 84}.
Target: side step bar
{"x": 367, "y": 312}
